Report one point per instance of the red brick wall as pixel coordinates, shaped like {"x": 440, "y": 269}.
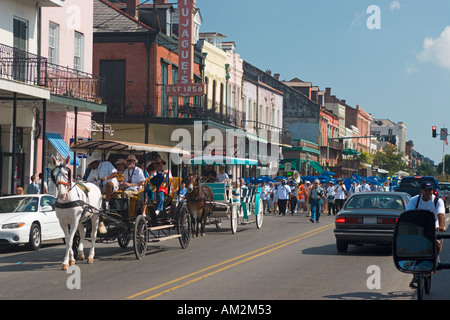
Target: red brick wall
{"x": 136, "y": 56}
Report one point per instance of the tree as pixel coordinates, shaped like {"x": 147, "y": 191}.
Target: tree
{"x": 426, "y": 169}
{"x": 390, "y": 159}
{"x": 447, "y": 165}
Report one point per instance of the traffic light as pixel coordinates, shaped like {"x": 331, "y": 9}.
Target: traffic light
{"x": 434, "y": 131}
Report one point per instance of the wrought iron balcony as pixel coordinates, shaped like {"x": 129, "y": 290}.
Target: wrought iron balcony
{"x": 25, "y": 67}
{"x": 267, "y": 131}
{"x": 22, "y": 66}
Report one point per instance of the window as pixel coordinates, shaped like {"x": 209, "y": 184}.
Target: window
{"x": 164, "y": 81}
{"x": 20, "y": 34}
{"x": 53, "y": 43}
{"x": 78, "y": 52}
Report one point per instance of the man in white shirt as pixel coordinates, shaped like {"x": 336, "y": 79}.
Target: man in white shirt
{"x": 426, "y": 200}
{"x": 340, "y": 195}
{"x": 133, "y": 178}
{"x": 364, "y": 187}
{"x": 223, "y": 176}
{"x": 103, "y": 174}
{"x": 283, "y": 193}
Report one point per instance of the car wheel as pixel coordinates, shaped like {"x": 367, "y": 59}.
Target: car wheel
{"x": 341, "y": 246}
{"x": 35, "y": 237}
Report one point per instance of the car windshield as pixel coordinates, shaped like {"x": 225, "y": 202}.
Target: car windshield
{"x": 445, "y": 187}
{"x": 375, "y": 202}
{"x": 19, "y": 204}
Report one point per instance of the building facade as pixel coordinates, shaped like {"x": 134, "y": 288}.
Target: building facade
{"x": 40, "y": 99}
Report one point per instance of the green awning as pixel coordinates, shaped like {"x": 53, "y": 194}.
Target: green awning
{"x": 316, "y": 166}
{"x": 349, "y": 152}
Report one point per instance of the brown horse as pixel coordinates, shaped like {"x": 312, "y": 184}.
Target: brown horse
{"x": 199, "y": 200}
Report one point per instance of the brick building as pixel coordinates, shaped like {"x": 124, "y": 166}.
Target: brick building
{"x": 136, "y": 61}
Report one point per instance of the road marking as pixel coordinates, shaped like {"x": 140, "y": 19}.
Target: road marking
{"x": 237, "y": 261}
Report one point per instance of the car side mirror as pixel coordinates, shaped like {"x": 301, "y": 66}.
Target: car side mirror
{"x": 47, "y": 208}
{"x": 414, "y": 246}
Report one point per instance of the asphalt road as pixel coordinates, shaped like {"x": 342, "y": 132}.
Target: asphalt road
{"x": 290, "y": 258}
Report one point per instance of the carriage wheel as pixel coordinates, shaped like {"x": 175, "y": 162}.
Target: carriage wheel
{"x": 183, "y": 222}
{"x": 123, "y": 239}
{"x": 140, "y": 236}
{"x": 234, "y": 218}
{"x": 260, "y": 215}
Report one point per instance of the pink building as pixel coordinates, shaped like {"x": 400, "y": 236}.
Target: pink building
{"x": 67, "y": 42}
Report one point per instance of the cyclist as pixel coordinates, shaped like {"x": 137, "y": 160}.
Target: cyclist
{"x": 426, "y": 200}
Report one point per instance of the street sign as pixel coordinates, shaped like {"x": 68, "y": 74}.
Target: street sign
{"x": 444, "y": 133}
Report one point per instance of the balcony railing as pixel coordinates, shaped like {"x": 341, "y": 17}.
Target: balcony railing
{"x": 267, "y": 131}
{"x": 22, "y": 66}
{"x": 72, "y": 83}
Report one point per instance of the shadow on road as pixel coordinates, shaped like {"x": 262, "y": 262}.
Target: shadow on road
{"x": 398, "y": 295}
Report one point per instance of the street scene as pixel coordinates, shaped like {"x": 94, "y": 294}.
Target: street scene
{"x": 149, "y": 150}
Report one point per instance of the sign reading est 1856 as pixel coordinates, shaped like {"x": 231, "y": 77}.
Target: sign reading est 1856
{"x": 185, "y": 86}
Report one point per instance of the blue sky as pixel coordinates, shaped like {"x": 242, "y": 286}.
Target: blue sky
{"x": 400, "y": 72}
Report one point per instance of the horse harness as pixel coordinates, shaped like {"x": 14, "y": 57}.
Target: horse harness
{"x": 87, "y": 208}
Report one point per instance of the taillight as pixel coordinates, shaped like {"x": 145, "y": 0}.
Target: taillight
{"x": 349, "y": 220}
{"x": 387, "y": 220}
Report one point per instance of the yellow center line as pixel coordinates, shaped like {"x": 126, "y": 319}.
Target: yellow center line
{"x": 251, "y": 255}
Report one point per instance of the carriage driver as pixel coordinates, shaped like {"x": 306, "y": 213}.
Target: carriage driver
{"x": 103, "y": 174}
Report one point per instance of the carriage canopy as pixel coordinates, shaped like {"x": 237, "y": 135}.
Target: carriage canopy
{"x": 222, "y": 160}
{"x": 124, "y": 147}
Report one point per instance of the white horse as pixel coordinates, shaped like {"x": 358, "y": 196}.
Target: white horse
{"x": 71, "y": 210}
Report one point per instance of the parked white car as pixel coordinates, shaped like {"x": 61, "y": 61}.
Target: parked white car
{"x": 28, "y": 219}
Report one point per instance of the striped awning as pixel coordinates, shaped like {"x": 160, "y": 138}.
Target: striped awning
{"x": 61, "y": 146}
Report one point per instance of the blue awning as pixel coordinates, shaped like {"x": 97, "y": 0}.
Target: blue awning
{"x": 61, "y": 146}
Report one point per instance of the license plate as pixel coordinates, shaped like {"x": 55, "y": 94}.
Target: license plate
{"x": 370, "y": 220}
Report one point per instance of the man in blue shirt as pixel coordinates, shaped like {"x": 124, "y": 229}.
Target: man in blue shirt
{"x": 33, "y": 187}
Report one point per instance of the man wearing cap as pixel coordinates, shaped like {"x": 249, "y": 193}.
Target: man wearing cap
{"x": 426, "y": 200}
{"x": 103, "y": 174}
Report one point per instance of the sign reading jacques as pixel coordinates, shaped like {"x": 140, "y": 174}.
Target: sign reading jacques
{"x": 185, "y": 86}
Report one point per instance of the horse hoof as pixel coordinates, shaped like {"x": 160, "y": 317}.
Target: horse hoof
{"x": 203, "y": 234}
{"x": 65, "y": 267}
{"x": 81, "y": 258}
{"x": 90, "y": 260}
{"x": 72, "y": 263}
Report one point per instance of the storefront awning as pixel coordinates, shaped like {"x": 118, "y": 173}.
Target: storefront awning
{"x": 316, "y": 166}
{"x": 61, "y": 146}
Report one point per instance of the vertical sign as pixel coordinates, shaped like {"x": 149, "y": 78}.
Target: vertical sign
{"x": 444, "y": 134}
{"x": 185, "y": 86}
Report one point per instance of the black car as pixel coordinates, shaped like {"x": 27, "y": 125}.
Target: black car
{"x": 369, "y": 218}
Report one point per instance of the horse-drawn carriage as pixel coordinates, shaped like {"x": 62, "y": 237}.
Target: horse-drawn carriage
{"x": 133, "y": 217}
{"x": 240, "y": 204}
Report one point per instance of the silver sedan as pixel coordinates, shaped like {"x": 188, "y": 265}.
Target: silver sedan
{"x": 369, "y": 218}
